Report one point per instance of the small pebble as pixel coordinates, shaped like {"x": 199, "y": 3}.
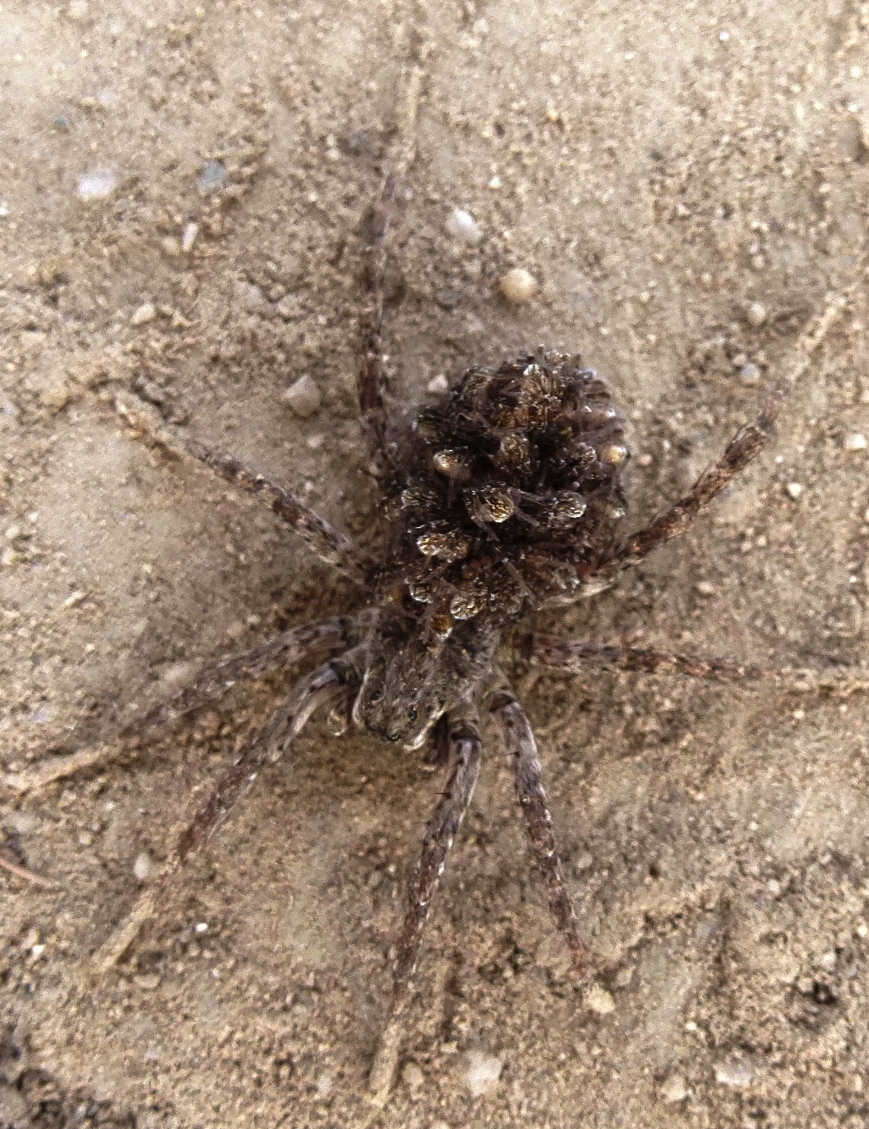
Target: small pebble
{"x": 483, "y": 1073}
{"x": 96, "y": 184}
{"x": 148, "y": 981}
{"x": 599, "y": 1000}
{"x": 412, "y": 1076}
{"x": 795, "y": 489}
{"x": 142, "y": 867}
{"x": 733, "y": 1073}
{"x": 674, "y": 1089}
{"x": 251, "y": 298}
{"x": 705, "y": 588}
{"x": 856, "y": 442}
{"x": 749, "y": 374}
{"x": 462, "y": 226}
{"x": 304, "y": 397}
{"x": 289, "y": 307}
{"x": 518, "y": 285}
{"x": 145, "y": 313}
{"x": 14, "y": 1110}
{"x": 56, "y": 396}
{"x": 438, "y": 385}
{"x": 188, "y": 237}
{"x": 211, "y": 177}
{"x": 325, "y": 1084}
{"x": 756, "y": 314}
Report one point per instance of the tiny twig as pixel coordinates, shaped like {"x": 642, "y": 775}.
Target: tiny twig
{"x": 27, "y": 875}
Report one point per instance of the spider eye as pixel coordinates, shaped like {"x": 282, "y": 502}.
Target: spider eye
{"x": 395, "y": 737}
{"x": 412, "y": 715}
{"x": 375, "y": 696}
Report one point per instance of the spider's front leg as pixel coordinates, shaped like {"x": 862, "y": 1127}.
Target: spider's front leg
{"x": 284, "y": 724}
{"x": 464, "y": 751}
{"x": 285, "y": 650}
{"x": 329, "y": 543}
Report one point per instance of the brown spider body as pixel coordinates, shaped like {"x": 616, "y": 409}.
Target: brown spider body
{"x": 507, "y": 495}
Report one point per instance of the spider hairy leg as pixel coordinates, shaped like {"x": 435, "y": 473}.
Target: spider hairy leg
{"x": 269, "y": 744}
{"x": 742, "y": 449}
{"x": 576, "y": 656}
{"x": 285, "y": 650}
{"x": 745, "y": 446}
{"x": 329, "y": 543}
{"x": 522, "y": 749}
{"x": 465, "y": 751}
{"x": 371, "y": 380}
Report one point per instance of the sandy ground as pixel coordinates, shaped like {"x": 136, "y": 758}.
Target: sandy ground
{"x": 687, "y": 180}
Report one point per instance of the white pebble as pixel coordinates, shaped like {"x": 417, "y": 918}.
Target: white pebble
{"x": 733, "y": 1073}
{"x": 756, "y": 314}
{"x": 438, "y": 385}
{"x": 304, "y": 397}
{"x": 462, "y": 225}
{"x": 483, "y": 1072}
{"x": 599, "y": 1000}
{"x": 289, "y": 307}
{"x": 251, "y": 297}
{"x": 705, "y": 588}
{"x": 142, "y": 867}
{"x": 674, "y": 1089}
{"x": 96, "y": 184}
{"x": 145, "y": 313}
{"x": 795, "y": 489}
{"x": 188, "y": 237}
{"x": 412, "y": 1076}
{"x": 518, "y": 285}
{"x": 856, "y": 442}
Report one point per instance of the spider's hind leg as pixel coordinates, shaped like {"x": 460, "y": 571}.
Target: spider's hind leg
{"x": 465, "y": 749}
{"x": 575, "y": 656}
{"x": 285, "y": 723}
{"x": 745, "y": 446}
{"x": 522, "y": 748}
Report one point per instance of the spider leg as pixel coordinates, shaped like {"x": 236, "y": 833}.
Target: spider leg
{"x": 284, "y": 650}
{"x": 371, "y": 381}
{"x": 329, "y": 543}
{"x": 739, "y": 452}
{"x": 269, "y": 744}
{"x": 521, "y": 746}
{"x": 575, "y": 656}
{"x": 465, "y": 752}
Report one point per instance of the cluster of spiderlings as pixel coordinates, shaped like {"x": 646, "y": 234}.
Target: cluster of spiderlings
{"x": 510, "y": 492}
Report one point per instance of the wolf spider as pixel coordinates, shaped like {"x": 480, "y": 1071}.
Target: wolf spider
{"x": 503, "y": 498}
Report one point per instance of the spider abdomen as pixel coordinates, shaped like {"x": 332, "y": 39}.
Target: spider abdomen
{"x": 511, "y": 490}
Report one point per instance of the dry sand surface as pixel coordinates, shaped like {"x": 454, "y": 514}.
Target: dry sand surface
{"x": 687, "y": 181}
